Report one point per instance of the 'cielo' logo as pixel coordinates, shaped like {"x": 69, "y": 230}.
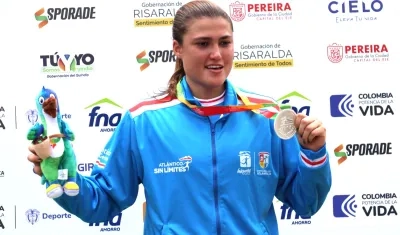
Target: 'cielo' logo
{"x": 355, "y": 11}
{"x": 154, "y": 56}
{"x": 66, "y": 13}
{"x": 351, "y": 7}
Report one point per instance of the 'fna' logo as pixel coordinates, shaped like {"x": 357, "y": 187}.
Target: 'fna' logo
{"x": 298, "y": 102}
{"x": 355, "y": 11}
{"x": 157, "y": 56}
{"x": 363, "y": 149}
{"x": 372, "y": 104}
{"x": 66, "y": 13}
{"x": 102, "y": 115}
{"x": 379, "y": 204}
{"x": 112, "y": 225}
{"x": 288, "y": 213}
{"x": 2, "y": 215}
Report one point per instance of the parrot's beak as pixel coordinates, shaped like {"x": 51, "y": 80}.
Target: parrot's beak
{"x": 50, "y": 107}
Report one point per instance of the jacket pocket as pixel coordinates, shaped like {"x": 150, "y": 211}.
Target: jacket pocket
{"x": 264, "y": 229}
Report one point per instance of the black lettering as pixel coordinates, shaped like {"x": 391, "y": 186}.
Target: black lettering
{"x": 64, "y": 13}
{"x": 369, "y": 210}
{"x": 72, "y": 13}
{"x": 364, "y": 110}
{"x": 78, "y": 59}
{"x": 86, "y": 59}
{"x": 379, "y": 211}
{"x": 388, "y": 110}
{"x": 44, "y": 59}
{"x": 77, "y": 15}
{"x": 88, "y": 13}
{"x": 54, "y": 59}
{"x": 162, "y": 56}
{"x": 2, "y": 125}
{"x": 152, "y": 56}
{"x": 1, "y": 224}
{"x": 376, "y": 110}
{"x": 378, "y": 196}
{"x": 50, "y": 12}
{"x": 369, "y": 149}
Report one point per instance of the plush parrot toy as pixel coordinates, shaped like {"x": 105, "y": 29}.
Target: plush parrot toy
{"x": 51, "y": 139}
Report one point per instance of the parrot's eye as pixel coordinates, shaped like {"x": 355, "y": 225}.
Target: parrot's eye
{"x": 51, "y": 95}
{"x": 41, "y": 100}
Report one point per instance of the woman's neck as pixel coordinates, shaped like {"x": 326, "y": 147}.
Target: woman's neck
{"x": 205, "y": 93}
{"x": 213, "y": 101}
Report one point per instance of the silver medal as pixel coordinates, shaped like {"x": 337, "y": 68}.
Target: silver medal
{"x": 284, "y": 124}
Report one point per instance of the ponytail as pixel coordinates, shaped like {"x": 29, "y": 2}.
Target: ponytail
{"x": 175, "y": 78}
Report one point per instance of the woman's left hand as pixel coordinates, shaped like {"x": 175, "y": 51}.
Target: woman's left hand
{"x": 311, "y": 133}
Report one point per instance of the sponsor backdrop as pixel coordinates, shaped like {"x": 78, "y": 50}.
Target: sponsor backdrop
{"x": 332, "y": 59}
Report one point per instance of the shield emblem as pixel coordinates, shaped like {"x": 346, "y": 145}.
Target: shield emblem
{"x": 263, "y": 159}
{"x": 32, "y": 116}
{"x": 335, "y": 53}
{"x": 237, "y": 11}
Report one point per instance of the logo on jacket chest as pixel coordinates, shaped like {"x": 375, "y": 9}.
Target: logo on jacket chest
{"x": 254, "y": 163}
{"x": 180, "y": 166}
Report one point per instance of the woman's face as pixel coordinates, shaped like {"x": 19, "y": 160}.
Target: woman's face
{"x": 207, "y": 51}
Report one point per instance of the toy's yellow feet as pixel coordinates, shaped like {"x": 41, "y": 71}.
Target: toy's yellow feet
{"x": 71, "y": 189}
{"x": 54, "y": 191}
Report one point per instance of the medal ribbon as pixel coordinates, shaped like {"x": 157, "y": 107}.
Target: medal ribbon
{"x": 218, "y": 110}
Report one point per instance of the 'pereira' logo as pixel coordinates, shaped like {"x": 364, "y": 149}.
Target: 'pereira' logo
{"x": 66, "y": 13}
{"x": 155, "y": 56}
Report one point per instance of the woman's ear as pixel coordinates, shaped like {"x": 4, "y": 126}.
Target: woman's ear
{"x": 177, "y": 48}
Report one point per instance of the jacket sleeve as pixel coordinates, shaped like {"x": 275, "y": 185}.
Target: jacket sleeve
{"x": 114, "y": 183}
{"x": 304, "y": 177}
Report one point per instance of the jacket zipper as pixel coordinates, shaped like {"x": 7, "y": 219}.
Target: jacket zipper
{"x": 215, "y": 178}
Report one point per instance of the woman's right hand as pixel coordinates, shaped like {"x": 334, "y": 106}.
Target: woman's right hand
{"x": 36, "y": 161}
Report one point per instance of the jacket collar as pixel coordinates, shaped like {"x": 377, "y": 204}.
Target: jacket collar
{"x": 231, "y": 97}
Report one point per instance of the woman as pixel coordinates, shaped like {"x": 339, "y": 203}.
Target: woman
{"x": 204, "y": 174}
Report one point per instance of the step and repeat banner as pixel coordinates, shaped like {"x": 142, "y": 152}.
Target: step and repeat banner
{"x": 335, "y": 60}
